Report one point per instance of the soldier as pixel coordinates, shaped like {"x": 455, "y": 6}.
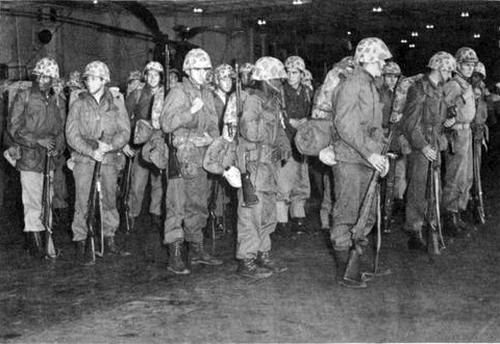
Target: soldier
{"x": 36, "y": 125}
{"x": 145, "y": 103}
{"x": 358, "y": 143}
{"x": 246, "y": 71}
{"x": 174, "y": 76}
{"x": 263, "y": 145}
{"x": 459, "y": 97}
{"x": 323, "y": 109}
{"x": 293, "y": 182}
{"x": 189, "y": 114}
{"x": 423, "y": 124}
{"x": 393, "y": 187}
{"x": 97, "y": 129}
{"x": 223, "y": 77}
{"x": 134, "y": 81}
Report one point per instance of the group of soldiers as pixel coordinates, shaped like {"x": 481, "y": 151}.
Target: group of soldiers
{"x": 245, "y": 133}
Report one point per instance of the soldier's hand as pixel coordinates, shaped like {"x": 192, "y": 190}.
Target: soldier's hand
{"x": 48, "y": 143}
{"x": 429, "y": 153}
{"x": 104, "y": 147}
{"x": 378, "y": 162}
{"x": 129, "y": 152}
{"x": 449, "y": 122}
{"x": 197, "y": 105}
{"x": 98, "y": 155}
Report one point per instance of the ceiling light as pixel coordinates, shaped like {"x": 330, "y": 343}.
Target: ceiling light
{"x": 404, "y": 41}
{"x": 477, "y": 35}
{"x": 95, "y": 2}
{"x": 377, "y": 9}
{"x": 198, "y": 10}
{"x": 464, "y": 14}
{"x": 429, "y": 26}
{"x": 261, "y": 22}
{"x": 414, "y": 34}
{"x": 411, "y": 45}
{"x": 349, "y": 33}
{"x": 297, "y": 2}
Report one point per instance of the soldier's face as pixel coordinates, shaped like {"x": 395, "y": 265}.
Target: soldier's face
{"x": 225, "y": 84}
{"x": 294, "y": 76}
{"x": 198, "y": 76}
{"x": 390, "y": 80}
{"x": 174, "y": 79}
{"x": 132, "y": 85}
{"x": 466, "y": 68}
{"x": 153, "y": 78}
{"x": 94, "y": 84}
{"x": 445, "y": 75}
{"x": 44, "y": 82}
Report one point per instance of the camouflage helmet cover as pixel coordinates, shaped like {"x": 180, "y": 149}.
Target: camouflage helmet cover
{"x": 481, "y": 69}
{"x": 196, "y": 58}
{"x": 224, "y": 71}
{"x": 267, "y": 68}
{"x": 153, "y": 65}
{"x": 466, "y": 54}
{"x": 134, "y": 75}
{"x": 295, "y": 62}
{"x": 47, "y": 66}
{"x": 307, "y": 75}
{"x": 443, "y": 61}
{"x": 392, "y": 68}
{"x": 370, "y": 50}
{"x": 98, "y": 69}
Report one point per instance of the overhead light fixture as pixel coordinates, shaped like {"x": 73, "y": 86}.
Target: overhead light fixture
{"x": 261, "y": 22}
{"x": 198, "y": 10}
{"x": 411, "y": 45}
{"x": 464, "y": 14}
{"x": 477, "y": 35}
{"x": 404, "y": 41}
{"x": 429, "y": 26}
{"x": 349, "y": 33}
{"x": 297, "y": 2}
{"x": 95, "y": 2}
{"x": 377, "y": 9}
{"x": 414, "y": 34}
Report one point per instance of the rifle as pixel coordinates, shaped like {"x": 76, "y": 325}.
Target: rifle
{"x": 174, "y": 169}
{"x": 478, "y": 188}
{"x": 94, "y": 206}
{"x": 433, "y": 212}
{"x": 248, "y": 189}
{"x": 46, "y": 214}
{"x": 125, "y": 192}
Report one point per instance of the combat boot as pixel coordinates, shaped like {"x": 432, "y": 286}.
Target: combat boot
{"x": 468, "y": 227}
{"x": 112, "y": 248}
{"x": 156, "y": 222}
{"x": 248, "y": 268}
{"x": 417, "y": 242}
{"x": 451, "y": 227}
{"x": 282, "y": 229}
{"x": 36, "y": 244}
{"x": 265, "y": 260}
{"x": 81, "y": 256}
{"x": 341, "y": 258}
{"x": 200, "y": 256}
{"x": 175, "y": 262}
{"x": 352, "y": 276}
{"x": 299, "y": 225}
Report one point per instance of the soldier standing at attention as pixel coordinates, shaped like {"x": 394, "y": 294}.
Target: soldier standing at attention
{"x": 461, "y": 103}
{"x": 358, "y": 143}
{"x": 189, "y": 114}
{"x": 97, "y": 129}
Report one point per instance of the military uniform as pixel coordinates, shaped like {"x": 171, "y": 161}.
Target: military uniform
{"x": 90, "y": 121}
{"x": 139, "y": 105}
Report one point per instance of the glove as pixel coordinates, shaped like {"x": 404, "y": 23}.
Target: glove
{"x": 327, "y": 156}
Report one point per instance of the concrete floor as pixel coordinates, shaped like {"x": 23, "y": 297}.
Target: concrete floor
{"x": 453, "y": 298}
